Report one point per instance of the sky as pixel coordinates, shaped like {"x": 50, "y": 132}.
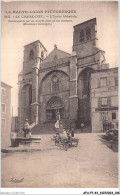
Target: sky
{"x": 15, "y": 35}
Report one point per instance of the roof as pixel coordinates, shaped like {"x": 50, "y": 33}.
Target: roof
{"x": 106, "y": 70}
{"x": 93, "y": 19}
{"x": 56, "y": 54}
{"x": 35, "y": 42}
{"x": 98, "y": 49}
{"x": 5, "y": 85}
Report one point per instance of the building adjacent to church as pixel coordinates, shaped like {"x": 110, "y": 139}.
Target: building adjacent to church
{"x": 61, "y": 81}
{"x": 5, "y": 114}
{"x": 104, "y": 99}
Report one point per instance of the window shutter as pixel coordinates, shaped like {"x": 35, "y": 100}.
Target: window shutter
{"x": 109, "y": 101}
{"x": 116, "y": 81}
{"x": 111, "y": 81}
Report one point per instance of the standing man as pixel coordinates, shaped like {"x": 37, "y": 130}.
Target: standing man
{"x": 26, "y": 129}
{"x": 57, "y": 115}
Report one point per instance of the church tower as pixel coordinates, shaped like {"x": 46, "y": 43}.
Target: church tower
{"x": 85, "y": 43}
{"x": 85, "y": 38}
{"x": 34, "y": 54}
{"x": 89, "y": 59}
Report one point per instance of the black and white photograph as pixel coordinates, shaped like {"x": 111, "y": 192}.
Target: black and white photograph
{"x": 59, "y": 95}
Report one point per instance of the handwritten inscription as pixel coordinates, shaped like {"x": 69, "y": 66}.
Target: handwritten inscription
{"x": 14, "y": 180}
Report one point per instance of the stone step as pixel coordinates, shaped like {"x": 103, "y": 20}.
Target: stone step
{"x": 30, "y": 143}
{"x": 43, "y": 128}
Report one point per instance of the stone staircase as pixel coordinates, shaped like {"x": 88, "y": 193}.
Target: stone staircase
{"x": 43, "y": 128}
{"x": 48, "y": 128}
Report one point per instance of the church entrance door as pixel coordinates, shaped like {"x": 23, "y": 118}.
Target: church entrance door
{"x": 54, "y": 114}
{"x": 54, "y": 106}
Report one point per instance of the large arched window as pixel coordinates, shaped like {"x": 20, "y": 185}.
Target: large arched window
{"x": 31, "y": 55}
{"x": 81, "y": 37}
{"x": 55, "y": 84}
{"x": 88, "y": 33}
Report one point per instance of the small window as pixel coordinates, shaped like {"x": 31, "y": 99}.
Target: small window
{"x": 103, "y": 82}
{"x": 88, "y": 34}
{"x": 114, "y": 115}
{"x": 3, "y": 121}
{"x": 31, "y": 56}
{"x": 104, "y": 101}
{"x": 42, "y": 55}
{"x": 2, "y": 91}
{"x": 3, "y": 108}
{"x": 81, "y": 38}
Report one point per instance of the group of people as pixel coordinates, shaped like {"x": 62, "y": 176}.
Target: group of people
{"x": 64, "y": 133}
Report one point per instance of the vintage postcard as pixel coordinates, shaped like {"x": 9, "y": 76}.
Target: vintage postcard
{"x": 59, "y": 96}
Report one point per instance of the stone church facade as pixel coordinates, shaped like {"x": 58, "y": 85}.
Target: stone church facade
{"x": 60, "y": 81}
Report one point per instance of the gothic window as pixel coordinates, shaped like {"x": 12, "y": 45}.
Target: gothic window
{"x": 31, "y": 56}
{"x": 81, "y": 38}
{"x": 88, "y": 34}
{"x": 55, "y": 84}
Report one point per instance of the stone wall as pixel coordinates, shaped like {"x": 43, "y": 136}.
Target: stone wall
{"x": 46, "y": 93}
{"x": 73, "y": 99}
{"x": 45, "y": 85}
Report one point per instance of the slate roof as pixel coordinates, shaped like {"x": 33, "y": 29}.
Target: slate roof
{"x": 5, "y": 85}
{"x": 56, "y": 54}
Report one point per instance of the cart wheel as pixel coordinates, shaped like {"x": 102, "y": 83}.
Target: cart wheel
{"x": 65, "y": 147}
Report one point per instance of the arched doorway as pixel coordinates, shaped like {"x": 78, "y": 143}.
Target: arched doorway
{"x": 54, "y": 105}
{"x": 84, "y": 104}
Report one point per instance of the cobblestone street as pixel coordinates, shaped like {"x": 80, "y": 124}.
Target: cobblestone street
{"x": 90, "y": 165}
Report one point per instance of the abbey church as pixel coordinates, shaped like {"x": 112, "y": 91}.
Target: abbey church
{"x": 68, "y": 83}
